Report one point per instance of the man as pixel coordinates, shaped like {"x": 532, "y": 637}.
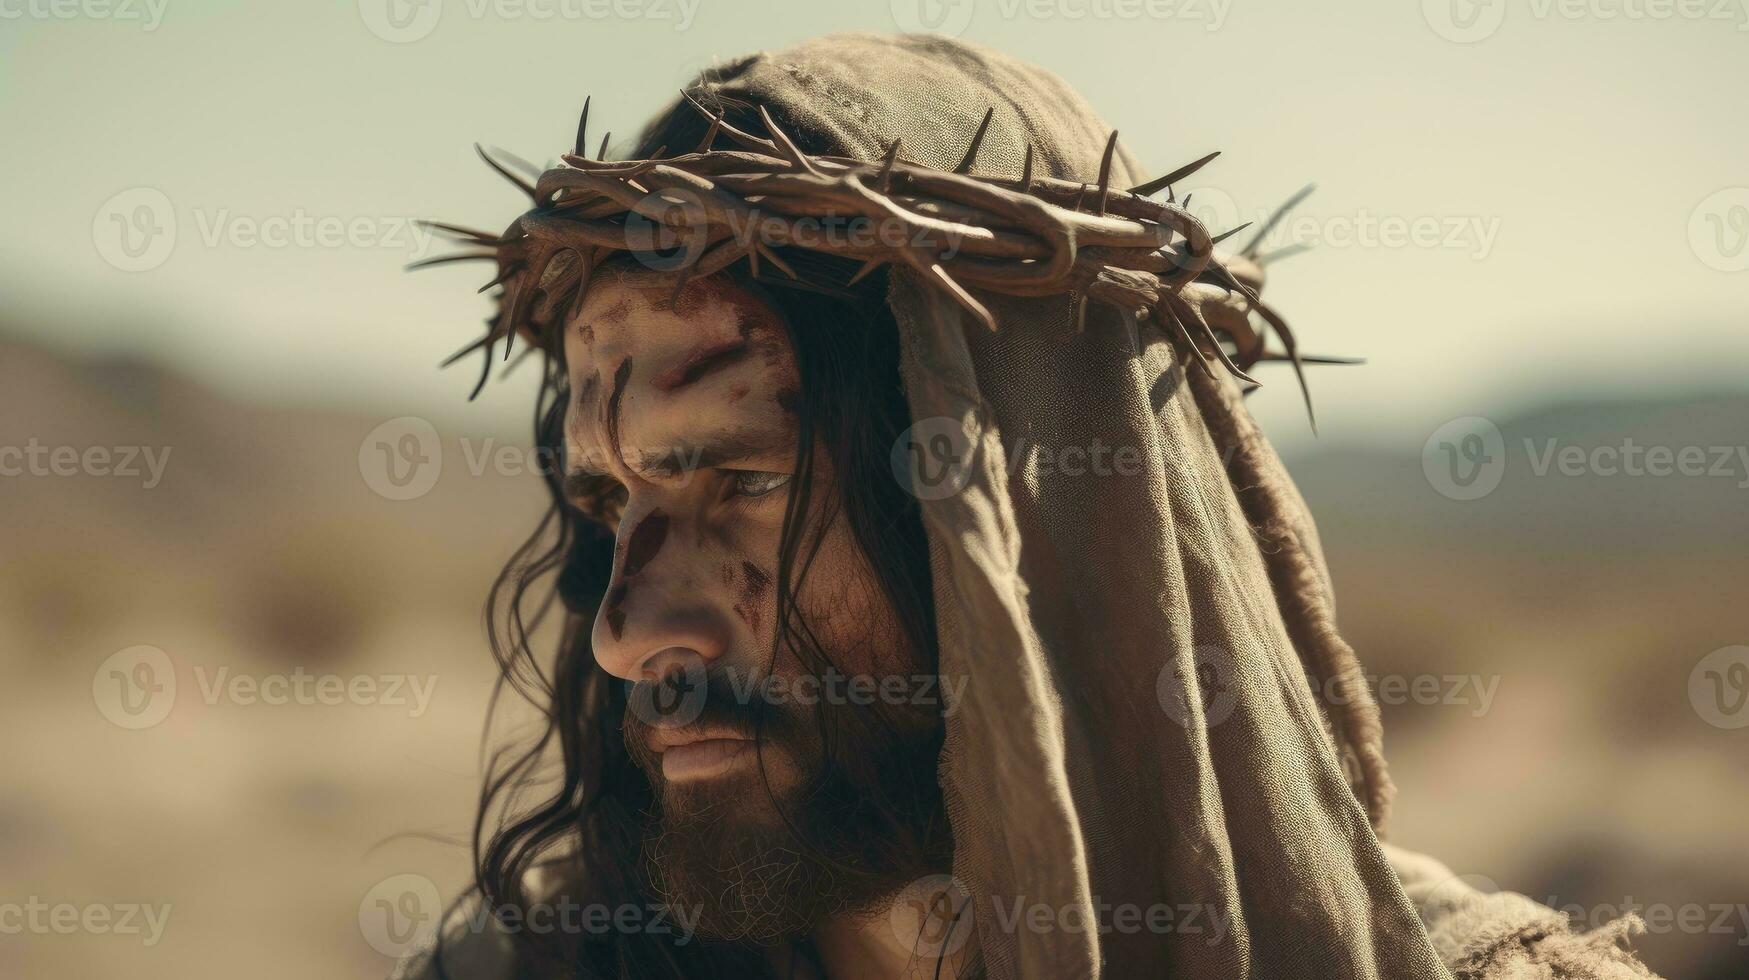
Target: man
{"x": 933, "y": 606}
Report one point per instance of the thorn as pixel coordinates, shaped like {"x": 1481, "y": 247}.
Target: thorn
{"x": 1105, "y": 172}
{"x": 583, "y": 126}
{"x": 1174, "y": 177}
{"x": 884, "y": 179}
{"x": 601, "y": 154}
{"x": 1026, "y": 172}
{"x": 464, "y": 352}
{"x": 1319, "y": 359}
{"x": 501, "y": 278}
{"x": 1187, "y": 198}
{"x": 1284, "y": 252}
{"x": 1229, "y": 233}
{"x": 774, "y": 259}
{"x": 939, "y": 275}
{"x": 785, "y": 145}
{"x": 527, "y": 188}
{"x": 1191, "y": 349}
{"x": 485, "y": 365}
{"x": 710, "y": 134}
{"x": 1080, "y": 313}
{"x": 965, "y": 165}
{"x": 1250, "y": 250}
{"x": 459, "y": 233}
{"x": 533, "y": 171}
{"x": 1293, "y": 356}
{"x": 867, "y": 267}
{"x": 1080, "y": 197}
{"x": 446, "y": 259}
{"x": 1187, "y": 314}
{"x": 526, "y": 351}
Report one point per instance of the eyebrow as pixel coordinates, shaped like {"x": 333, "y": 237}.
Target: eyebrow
{"x": 684, "y": 457}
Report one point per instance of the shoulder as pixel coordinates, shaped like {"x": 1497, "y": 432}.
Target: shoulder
{"x": 470, "y": 946}
{"x": 1484, "y": 933}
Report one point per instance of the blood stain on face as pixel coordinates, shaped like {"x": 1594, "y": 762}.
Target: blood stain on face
{"x": 611, "y": 606}
{"x": 702, "y": 361}
{"x": 752, "y": 594}
{"x": 645, "y": 542}
{"x": 620, "y": 377}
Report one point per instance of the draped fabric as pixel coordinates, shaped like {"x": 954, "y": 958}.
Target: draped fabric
{"x": 1136, "y": 732}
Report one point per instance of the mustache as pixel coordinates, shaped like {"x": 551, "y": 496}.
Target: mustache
{"x": 704, "y": 699}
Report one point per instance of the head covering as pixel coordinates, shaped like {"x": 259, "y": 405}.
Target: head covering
{"x": 1140, "y": 628}
{"x": 1092, "y": 763}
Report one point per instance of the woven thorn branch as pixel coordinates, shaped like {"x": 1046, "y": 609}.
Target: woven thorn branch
{"x": 962, "y": 232}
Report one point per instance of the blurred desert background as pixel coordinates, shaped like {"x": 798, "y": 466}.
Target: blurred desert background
{"x": 1595, "y": 297}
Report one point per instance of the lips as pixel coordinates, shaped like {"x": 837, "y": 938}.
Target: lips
{"x": 692, "y": 753}
{"x": 705, "y": 758}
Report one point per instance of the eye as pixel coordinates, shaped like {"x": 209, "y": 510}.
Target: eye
{"x": 756, "y": 483}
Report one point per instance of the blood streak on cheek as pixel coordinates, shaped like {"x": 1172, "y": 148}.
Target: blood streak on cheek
{"x": 753, "y": 591}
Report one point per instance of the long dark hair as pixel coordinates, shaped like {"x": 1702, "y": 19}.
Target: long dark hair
{"x": 577, "y": 832}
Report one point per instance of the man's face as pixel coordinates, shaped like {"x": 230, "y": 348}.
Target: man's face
{"x": 691, "y": 406}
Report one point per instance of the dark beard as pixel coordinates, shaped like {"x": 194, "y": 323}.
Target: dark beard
{"x": 864, "y": 821}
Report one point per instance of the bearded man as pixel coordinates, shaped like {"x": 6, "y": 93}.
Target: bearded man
{"x": 932, "y": 605}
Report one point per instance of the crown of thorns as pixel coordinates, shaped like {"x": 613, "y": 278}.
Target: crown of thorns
{"x": 958, "y": 230}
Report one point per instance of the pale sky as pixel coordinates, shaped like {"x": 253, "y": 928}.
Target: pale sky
{"x": 1562, "y": 175}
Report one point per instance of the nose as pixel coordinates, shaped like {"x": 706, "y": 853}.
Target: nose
{"x": 652, "y": 614}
